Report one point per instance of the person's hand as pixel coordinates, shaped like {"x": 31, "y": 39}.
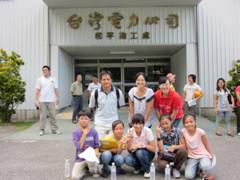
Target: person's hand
{"x": 57, "y": 101}
{"x": 158, "y": 131}
{"x": 172, "y": 148}
{"x": 37, "y": 104}
{"x": 86, "y": 131}
{"x": 133, "y": 147}
{"x": 140, "y": 145}
{"x": 216, "y": 109}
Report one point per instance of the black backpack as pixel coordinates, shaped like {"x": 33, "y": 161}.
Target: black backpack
{"x": 96, "y": 97}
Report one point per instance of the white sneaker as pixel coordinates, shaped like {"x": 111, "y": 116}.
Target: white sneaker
{"x": 41, "y": 133}
{"x": 176, "y": 173}
{"x": 146, "y": 175}
{"x": 95, "y": 175}
{"x": 238, "y": 134}
{"x": 136, "y": 171}
{"x": 57, "y": 132}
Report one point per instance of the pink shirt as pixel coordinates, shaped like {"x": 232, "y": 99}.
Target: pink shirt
{"x": 238, "y": 90}
{"x": 195, "y": 146}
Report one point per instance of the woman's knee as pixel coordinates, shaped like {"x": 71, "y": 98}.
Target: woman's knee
{"x": 106, "y": 156}
{"x": 119, "y": 160}
{"x": 189, "y": 174}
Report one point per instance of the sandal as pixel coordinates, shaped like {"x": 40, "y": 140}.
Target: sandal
{"x": 218, "y": 134}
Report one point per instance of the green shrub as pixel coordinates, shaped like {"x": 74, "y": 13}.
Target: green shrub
{"x": 12, "y": 88}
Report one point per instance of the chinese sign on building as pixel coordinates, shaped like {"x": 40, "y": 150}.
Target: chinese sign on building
{"x": 115, "y": 19}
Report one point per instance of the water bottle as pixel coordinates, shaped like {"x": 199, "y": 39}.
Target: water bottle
{"x": 152, "y": 172}
{"x": 167, "y": 173}
{"x": 113, "y": 172}
{"x": 67, "y": 168}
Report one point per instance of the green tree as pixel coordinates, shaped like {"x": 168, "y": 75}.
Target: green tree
{"x": 235, "y": 75}
{"x": 12, "y": 88}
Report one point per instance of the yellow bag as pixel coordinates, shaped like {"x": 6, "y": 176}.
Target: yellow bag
{"x": 108, "y": 142}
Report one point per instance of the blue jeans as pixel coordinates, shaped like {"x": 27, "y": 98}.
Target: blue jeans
{"x": 140, "y": 158}
{"x": 108, "y": 157}
{"x": 77, "y": 103}
{"x": 176, "y": 122}
{"x": 203, "y": 164}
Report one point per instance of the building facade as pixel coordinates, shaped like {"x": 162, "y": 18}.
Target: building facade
{"x": 155, "y": 37}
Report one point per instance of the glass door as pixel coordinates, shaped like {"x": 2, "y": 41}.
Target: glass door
{"x": 130, "y": 71}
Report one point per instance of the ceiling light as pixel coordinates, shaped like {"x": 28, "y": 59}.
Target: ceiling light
{"x": 121, "y": 52}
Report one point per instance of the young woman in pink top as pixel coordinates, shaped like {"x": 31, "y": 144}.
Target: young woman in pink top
{"x": 199, "y": 152}
{"x": 237, "y": 91}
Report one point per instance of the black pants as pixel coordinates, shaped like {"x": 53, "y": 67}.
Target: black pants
{"x": 77, "y": 103}
{"x": 238, "y": 119}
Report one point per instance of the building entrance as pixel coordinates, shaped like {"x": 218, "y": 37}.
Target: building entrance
{"x": 124, "y": 70}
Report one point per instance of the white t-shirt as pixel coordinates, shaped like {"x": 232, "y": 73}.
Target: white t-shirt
{"x": 223, "y": 104}
{"x": 190, "y": 89}
{"x": 92, "y": 86}
{"x": 145, "y": 137}
{"x": 47, "y": 88}
{"x": 140, "y": 103}
{"x": 107, "y": 110}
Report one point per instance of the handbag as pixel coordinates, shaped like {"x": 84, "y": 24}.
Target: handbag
{"x": 229, "y": 97}
{"x": 168, "y": 156}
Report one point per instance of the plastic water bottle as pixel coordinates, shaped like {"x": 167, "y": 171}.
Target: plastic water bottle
{"x": 113, "y": 172}
{"x": 152, "y": 172}
{"x": 67, "y": 168}
{"x": 167, "y": 173}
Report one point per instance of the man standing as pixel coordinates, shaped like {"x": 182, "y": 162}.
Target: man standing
{"x": 93, "y": 85}
{"x": 77, "y": 92}
{"x": 46, "y": 97}
{"x": 168, "y": 102}
{"x": 105, "y": 101}
{"x": 190, "y": 88}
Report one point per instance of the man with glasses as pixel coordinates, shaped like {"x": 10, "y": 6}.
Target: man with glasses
{"x": 168, "y": 102}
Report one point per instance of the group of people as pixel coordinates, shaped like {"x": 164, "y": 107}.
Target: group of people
{"x": 146, "y": 107}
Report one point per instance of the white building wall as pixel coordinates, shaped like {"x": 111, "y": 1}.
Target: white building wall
{"x": 65, "y": 77}
{"x": 24, "y": 29}
{"x": 219, "y": 42}
{"x": 63, "y": 35}
{"x": 179, "y": 67}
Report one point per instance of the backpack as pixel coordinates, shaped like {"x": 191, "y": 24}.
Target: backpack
{"x": 117, "y": 94}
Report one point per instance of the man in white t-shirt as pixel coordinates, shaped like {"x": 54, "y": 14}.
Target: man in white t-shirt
{"x": 106, "y": 104}
{"x": 190, "y": 101}
{"x": 93, "y": 85}
{"x": 46, "y": 97}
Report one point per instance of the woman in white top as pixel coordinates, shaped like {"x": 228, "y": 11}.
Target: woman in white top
{"x": 141, "y": 100}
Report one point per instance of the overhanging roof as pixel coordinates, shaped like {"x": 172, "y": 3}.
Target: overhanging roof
{"x": 117, "y": 3}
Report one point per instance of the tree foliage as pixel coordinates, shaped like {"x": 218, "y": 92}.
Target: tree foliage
{"x": 12, "y": 87}
{"x": 235, "y": 75}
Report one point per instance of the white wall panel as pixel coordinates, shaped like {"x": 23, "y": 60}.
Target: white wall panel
{"x": 179, "y": 67}
{"x": 24, "y": 29}
{"x": 65, "y": 77}
{"x": 62, "y": 34}
{"x": 219, "y": 42}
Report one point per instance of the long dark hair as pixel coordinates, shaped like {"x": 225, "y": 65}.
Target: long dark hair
{"x": 224, "y": 86}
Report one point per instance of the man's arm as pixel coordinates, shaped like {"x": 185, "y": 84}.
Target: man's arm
{"x": 57, "y": 96}
{"x": 37, "y": 94}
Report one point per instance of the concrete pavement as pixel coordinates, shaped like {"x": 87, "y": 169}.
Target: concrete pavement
{"x": 27, "y": 156}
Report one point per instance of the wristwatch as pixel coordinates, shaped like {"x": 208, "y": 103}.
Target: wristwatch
{"x": 159, "y": 139}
